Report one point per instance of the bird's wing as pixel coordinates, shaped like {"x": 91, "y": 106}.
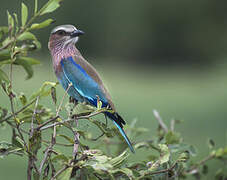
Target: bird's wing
{"x": 85, "y": 85}
{"x": 88, "y": 84}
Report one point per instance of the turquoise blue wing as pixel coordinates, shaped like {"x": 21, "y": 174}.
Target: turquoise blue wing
{"x": 88, "y": 88}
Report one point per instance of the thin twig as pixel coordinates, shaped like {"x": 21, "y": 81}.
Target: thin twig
{"x": 59, "y": 144}
{"x": 160, "y": 172}
{"x": 47, "y": 153}
{"x": 17, "y": 124}
{"x": 59, "y": 172}
{"x": 101, "y": 135}
{"x": 161, "y": 123}
{"x": 76, "y": 144}
{"x": 81, "y": 117}
{"x": 33, "y": 117}
{"x": 75, "y": 148}
{"x": 60, "y": 105}
{"x": 172, "y": 124}
{"x": 47, "y": 122}
{"x": 11, "y": 124}
{"x": 31, "y": 163}
{"x": 201, "y": 162}
{"x": 19, "y": 111}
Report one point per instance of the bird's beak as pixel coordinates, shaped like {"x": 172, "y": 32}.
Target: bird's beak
{"x": 76, "y": 33}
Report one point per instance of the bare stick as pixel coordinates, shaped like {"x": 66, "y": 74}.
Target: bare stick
{"x": 60, "y": 105}
{"x": 81, "y": 117}
{"x": 47, "y": 122}
{"x": 47, "y": 153}
{"x": 33, "y": 117}
{"x": 76, "y": 144}
{"x": 31, "y": 163}
{"x": 59, "y": 172}
{"x": 161, "y": 123}
{"x": 172, "y": 124}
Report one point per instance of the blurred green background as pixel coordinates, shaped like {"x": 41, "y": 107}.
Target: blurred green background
{"x": 164, "y": 55}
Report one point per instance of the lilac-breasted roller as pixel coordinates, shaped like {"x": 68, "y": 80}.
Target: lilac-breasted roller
{"x": 78, "y": 76}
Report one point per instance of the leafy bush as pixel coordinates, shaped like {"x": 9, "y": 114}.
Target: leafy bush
{"x": 170, "y": 156}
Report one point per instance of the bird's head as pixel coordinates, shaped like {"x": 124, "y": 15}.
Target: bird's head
{"x": 63, "y": 36}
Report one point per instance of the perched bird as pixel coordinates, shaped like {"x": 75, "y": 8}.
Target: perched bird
{"x": 79, "y": 77}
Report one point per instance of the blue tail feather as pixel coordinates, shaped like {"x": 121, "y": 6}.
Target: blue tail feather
{"x": 118, "y": 121}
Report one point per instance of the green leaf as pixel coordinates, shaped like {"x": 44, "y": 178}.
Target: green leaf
{"x": 211, "y": 143}
{"x": 26, "y": 36}
{"x": 3, "y": 76}
{"x": 42, "y": 24}
{"x": 10, "y": 21}
{"x": 65, "y": 175}
{"x": 27, "y": 67}
{"x": 128, "y": 172}
{"x": 67, "y": 138}
{"x": 16, "y": 22}
{"x": 164, "y": 154}
{"x": 3, "y": 31}
{"x": 192, "y": 150}
{"x": 7, "y": 148}
{"x": 184, "y": 156}
{"x": 36, "y": 176}
{"x": 37, "y": 44}
{"x": 23, "y": 99}
{"x": 29, "y": 60}
{"x": 50, "y": 6}
{"x": 82, "y": 108}
{"x": 221, "y": 174}
{"x": 24, "y": 14}
{"x": 221, "y": 152}
{"x": 25, "y": 62}
{"x": 205, "y": 169}
{"x": 172, "y": 137}
{"x": 53, "y": 95}
{"x": 60, "y": 158}
{"x": 17, "y": 141}
{"x": 141, "y": 145}
{"x": 119, "y": 159}
{"x": 36, "y": 6}
{"x": 44, "y": 91}
{"x": 3, "y": 112}
{"x": 4, "y": 55}
{"x": 29, "y": 36}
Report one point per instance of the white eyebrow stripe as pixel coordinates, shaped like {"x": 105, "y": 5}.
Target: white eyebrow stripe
{"x": 64, "y": 28}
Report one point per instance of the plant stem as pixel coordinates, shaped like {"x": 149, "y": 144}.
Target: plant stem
{"x": 19, "y": 111}
{"x": 31, "y": 163}
{"x": 33, "y": 117}
{"x": 159, "y": 172}
{"x": 45, "y": 123}
{"x": 160, "y": 121}
{"x": 59, "y": 172}
{"x": 201, "y": 162}
{"x": 80, "y": 117}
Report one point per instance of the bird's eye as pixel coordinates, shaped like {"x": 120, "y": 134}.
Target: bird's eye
{"x": 61, "y": 32}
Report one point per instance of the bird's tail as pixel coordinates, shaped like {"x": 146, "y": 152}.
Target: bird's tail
{"x": 119, "y": 122}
